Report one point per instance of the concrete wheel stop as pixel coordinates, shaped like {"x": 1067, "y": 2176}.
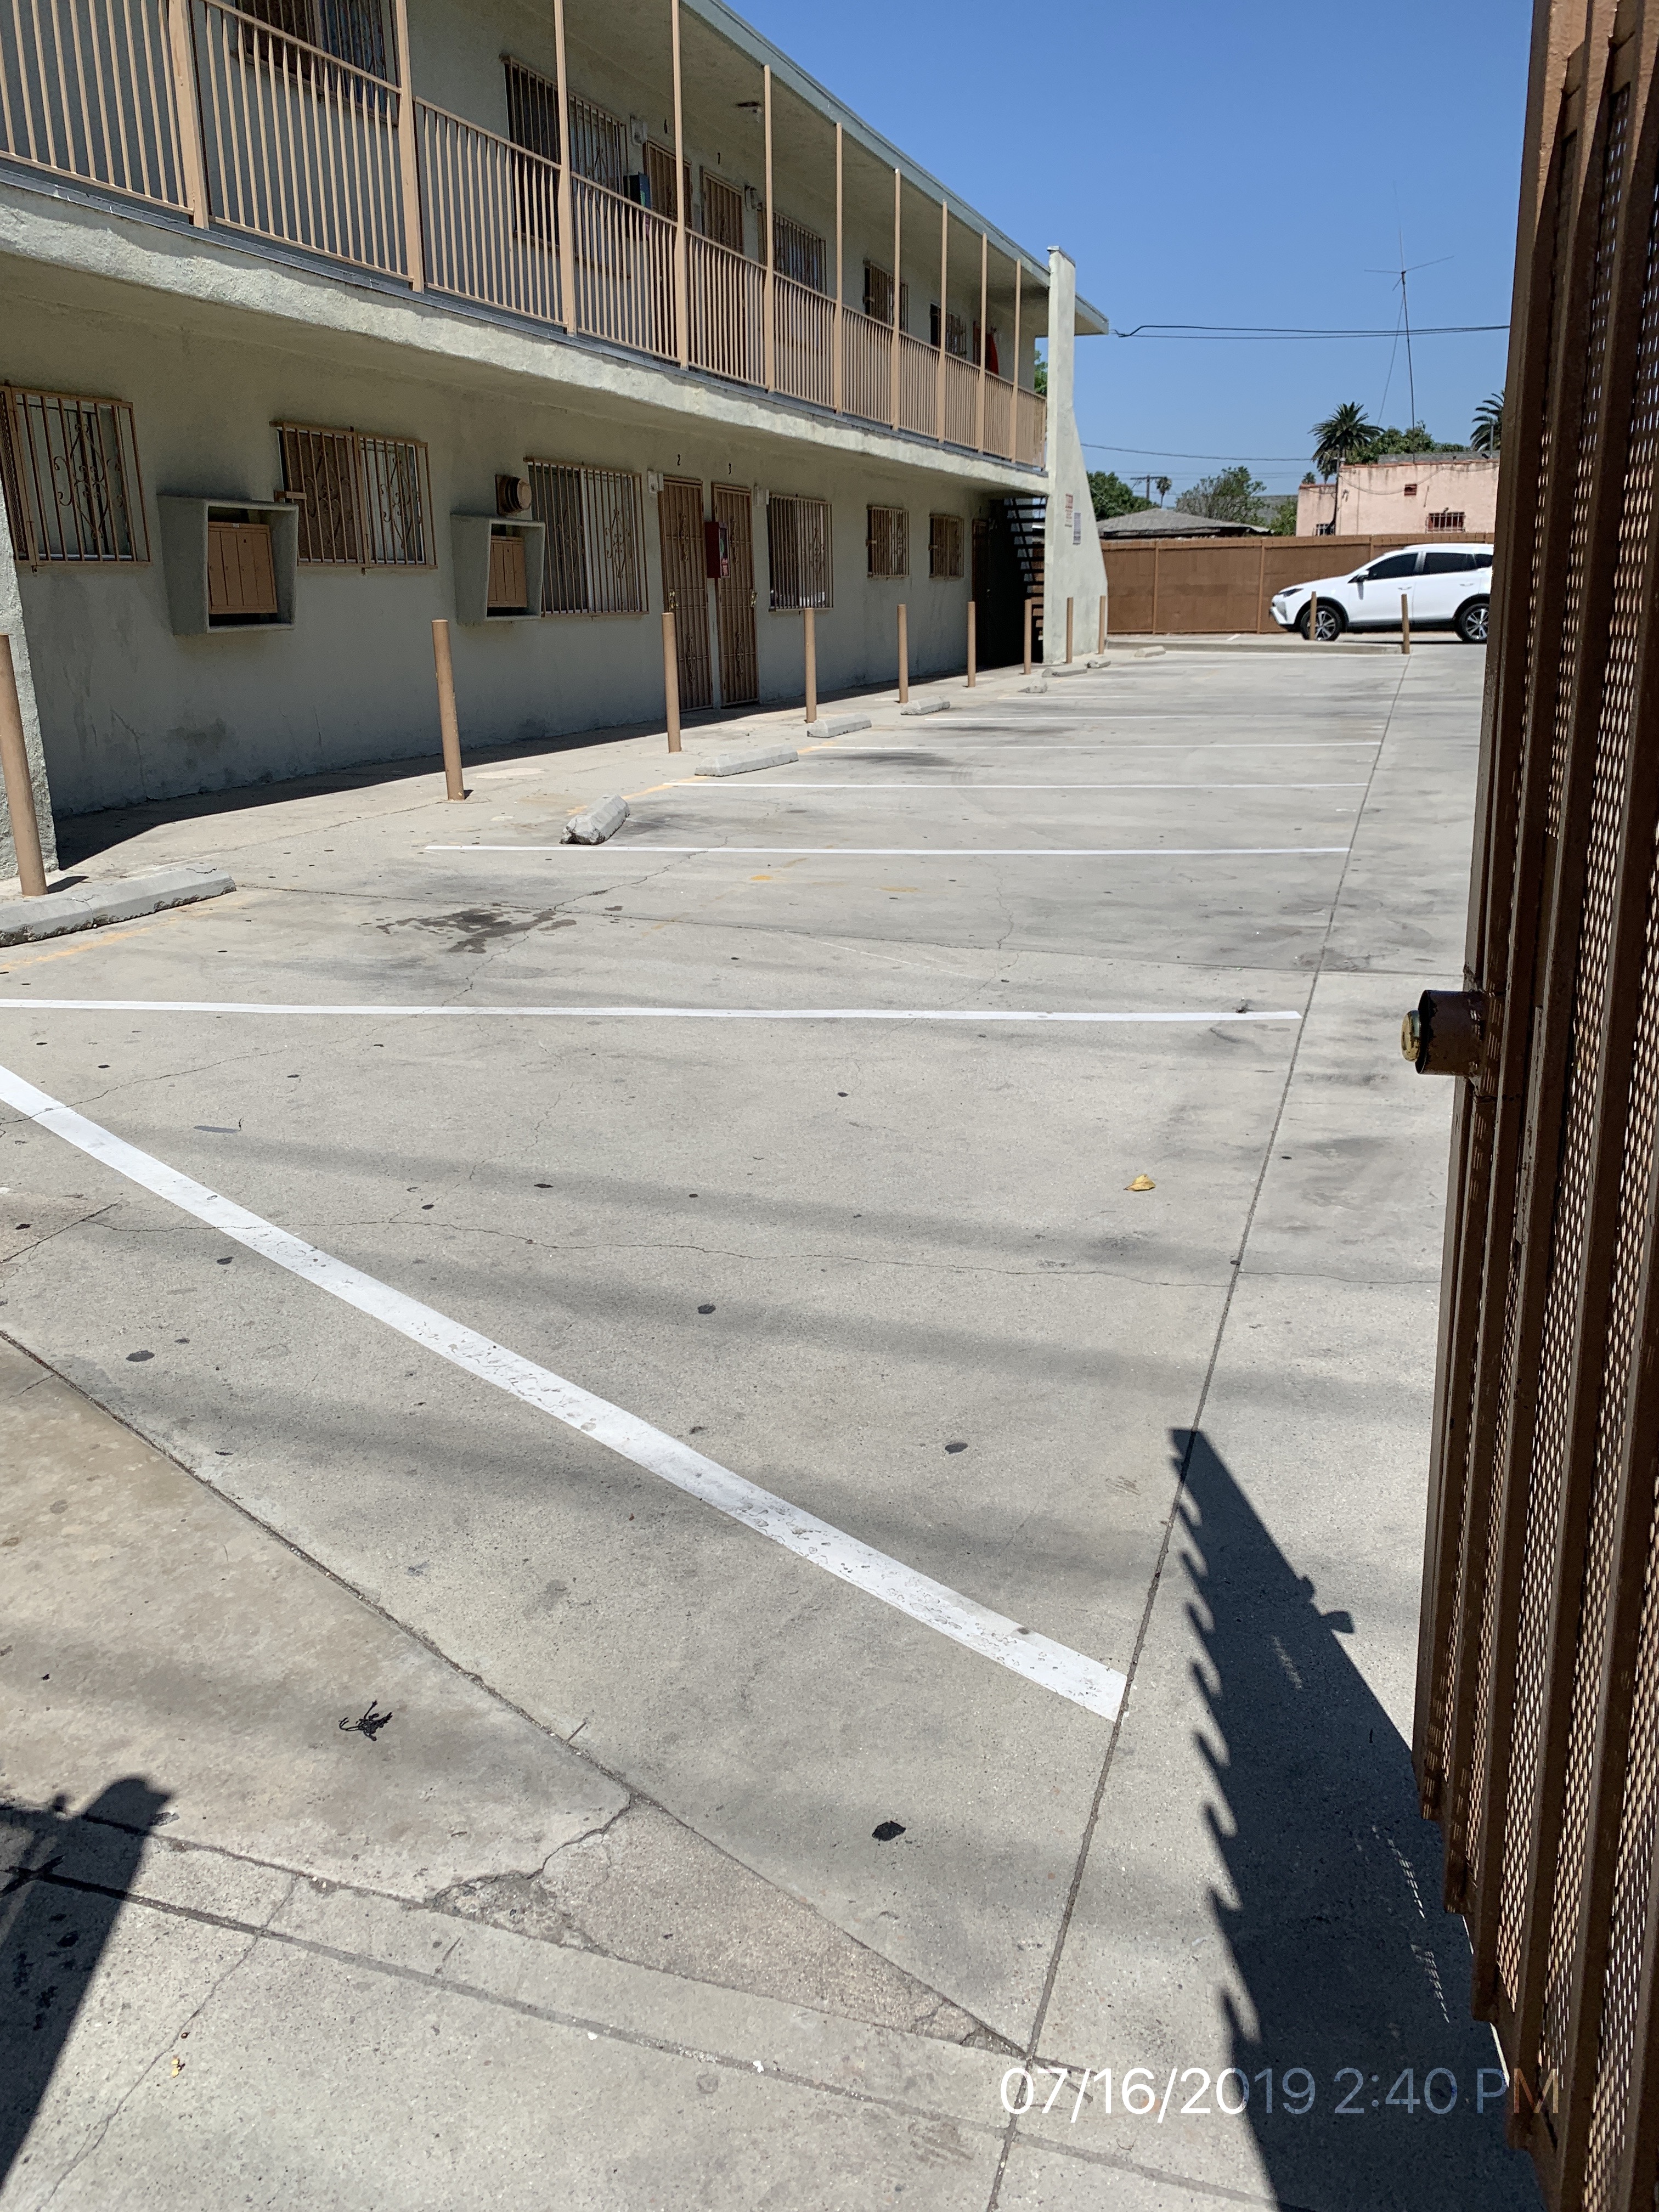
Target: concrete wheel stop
{"x": 594, "y": 823}
{"x": 933, "y": 705}
{"x": 96, "y": 905}
{"x": 743, "y": 764}
{"x": 837, "y": 725}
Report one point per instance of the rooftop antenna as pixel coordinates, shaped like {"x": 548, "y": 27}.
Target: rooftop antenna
{"x": 1400, "y": 275}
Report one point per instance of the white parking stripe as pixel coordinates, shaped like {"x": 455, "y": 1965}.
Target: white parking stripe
{"x": 1052, "y": 1665}
{"x": 933, "y": 783}
{"x": 634, "y": 1013}
{"x": 636, "y": 846}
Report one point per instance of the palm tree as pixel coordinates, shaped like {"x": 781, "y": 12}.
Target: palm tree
{"x": 1163, "y": 490}
{"x": 1348, "y": 435}
{"x": 1487, "y": 435}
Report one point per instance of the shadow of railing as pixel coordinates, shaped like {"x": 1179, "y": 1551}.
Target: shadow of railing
{"x": 53, "y": 1931}
{"x": 1384, "y": 2091}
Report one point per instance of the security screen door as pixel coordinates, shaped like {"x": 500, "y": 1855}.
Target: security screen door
{"x": 685, "y": 587}
{"x": 734, "y": 598}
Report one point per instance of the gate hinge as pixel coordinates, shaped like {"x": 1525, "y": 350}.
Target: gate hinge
{"x": 1444, "y": 1032}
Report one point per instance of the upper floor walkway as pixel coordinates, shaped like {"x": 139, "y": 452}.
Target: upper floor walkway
{"x": 295, "y": 125}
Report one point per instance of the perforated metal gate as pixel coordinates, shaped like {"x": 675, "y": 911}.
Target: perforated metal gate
{"x": 1537, "y": 1731}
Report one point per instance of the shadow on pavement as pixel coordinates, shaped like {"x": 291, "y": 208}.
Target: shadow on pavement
{"x": 1356, "y": 1980}
{"x": 52, "y": 1935}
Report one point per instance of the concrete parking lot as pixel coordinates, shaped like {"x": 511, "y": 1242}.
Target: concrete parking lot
{"x": 851, "y": 1369}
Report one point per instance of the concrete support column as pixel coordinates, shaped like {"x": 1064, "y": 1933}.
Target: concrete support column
{"x": 1073, "y": 565}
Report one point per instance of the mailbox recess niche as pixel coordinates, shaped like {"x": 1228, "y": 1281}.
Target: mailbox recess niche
{"x": 498, "y": 568}
{"x": 230, "y": 564}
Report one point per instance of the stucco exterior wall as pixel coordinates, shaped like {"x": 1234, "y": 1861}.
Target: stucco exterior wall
{"x": 1380, "y": 499}
{"x": 1073, "y": 565}
{"x": 129, "y": 711}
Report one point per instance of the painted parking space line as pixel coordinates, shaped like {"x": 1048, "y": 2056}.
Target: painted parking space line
{"x": 1070, "y": 1674}
{"x": 934, "y": 784}
{"x": 1077, "y": 748}
{"x": 637, "y": 846}
{"x": 1154, "y": 1016}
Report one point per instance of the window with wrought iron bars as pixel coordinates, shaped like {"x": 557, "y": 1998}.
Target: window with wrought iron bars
{"x": 1446, "y": 518}
{"x": 365, "y": 502}
{"x": 595, "y": 521}
{"x": 955, "y": 333}
{"x": 69, "y": 470}
{"x": 797, "y": 551}
{"x": 533, "y": 109}
{"x": 945, "y": 545}
{"x": 798, "y": 252}
{"x": 353, "y": 31}
{"x": 722, "y": 212}
{"x": 887, "y": 537}
{"x": 878, "y": 296}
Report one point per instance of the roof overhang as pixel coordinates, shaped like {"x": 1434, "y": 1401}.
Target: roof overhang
{"x": 1091, "y": 323}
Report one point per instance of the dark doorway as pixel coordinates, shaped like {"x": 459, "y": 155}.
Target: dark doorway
{"x": 685, "y": 587}
{"x": 734, "y": 599}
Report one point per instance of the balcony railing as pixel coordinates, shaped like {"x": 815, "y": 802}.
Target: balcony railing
{"x": 726, "y": 303}
{"x": 296, "y": 145}
{"x": 199, "y": 108}
{"x": 490, "y": 217}
{"x": 86, "y": 92}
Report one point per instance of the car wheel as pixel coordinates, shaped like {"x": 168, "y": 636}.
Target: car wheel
{"x": 1471, "y": 623}
{"x": 1332, "y": 622}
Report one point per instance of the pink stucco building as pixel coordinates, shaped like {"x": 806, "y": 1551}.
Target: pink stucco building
{"x": 1415, "y": 495}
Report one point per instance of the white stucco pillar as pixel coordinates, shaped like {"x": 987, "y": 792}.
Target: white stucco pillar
{"x": 11, "y": 621}
{"x": 1073, "y": 566}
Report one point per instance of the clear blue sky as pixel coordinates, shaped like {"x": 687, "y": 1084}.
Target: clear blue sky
{"x": 1202, "y": 166}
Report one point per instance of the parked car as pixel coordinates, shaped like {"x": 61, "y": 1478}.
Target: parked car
{"x": 1445, "y": 587}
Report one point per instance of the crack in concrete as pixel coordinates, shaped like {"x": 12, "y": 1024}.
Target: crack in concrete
{"x": 254, "y": 1934}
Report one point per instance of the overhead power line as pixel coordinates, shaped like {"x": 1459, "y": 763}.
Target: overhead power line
{"x": 1168, "y": 453}
{"x": 1246, "y": 331}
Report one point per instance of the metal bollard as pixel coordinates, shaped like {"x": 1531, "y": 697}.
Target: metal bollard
{"x": 1100, "y": 643}
{"x": 670, "y": 679}
{"x": 904, "y": 657}
{"x": 1405, "y": 623}
{"x": 973, "y": 644}
{"x": 449, "y": 727}
{"x": 1069, "y": 633}
{"x": 20, "y": 784}
{"x": 809, "y": 624}
{"x": 1030, "y": 604}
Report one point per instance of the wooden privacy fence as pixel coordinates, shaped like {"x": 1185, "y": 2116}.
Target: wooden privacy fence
{"x": 1537, "y": 1728}
{"x": 1203, "y": 586}
{"x": 227, "y": 116}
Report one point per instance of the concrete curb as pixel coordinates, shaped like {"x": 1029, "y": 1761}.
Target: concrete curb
{"x": 94, "y": 905}
{"x": 596, "y": 823}
{"x": 742, "y": 764}
{"x": 838, "y": 726}
{"x": 925, "y": 707}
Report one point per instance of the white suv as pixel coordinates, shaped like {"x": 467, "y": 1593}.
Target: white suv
{"x": 1445, "y": 587}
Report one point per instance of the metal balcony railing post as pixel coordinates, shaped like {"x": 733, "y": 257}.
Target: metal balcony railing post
{"x": 187, "y": 110}
{"x": 409, "y": 170}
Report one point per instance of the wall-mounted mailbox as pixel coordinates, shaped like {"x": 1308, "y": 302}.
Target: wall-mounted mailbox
{"x": 229, "y": 564}
{"x": 498, "y": 568}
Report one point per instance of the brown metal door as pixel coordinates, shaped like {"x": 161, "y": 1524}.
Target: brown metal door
{"x": 685, "y": 587}
{"x": 1537, "y": 1728}
{"x": 734, "y": 599}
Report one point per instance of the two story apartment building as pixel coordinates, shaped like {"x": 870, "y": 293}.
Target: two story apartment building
{"x": 320, "y": 318}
